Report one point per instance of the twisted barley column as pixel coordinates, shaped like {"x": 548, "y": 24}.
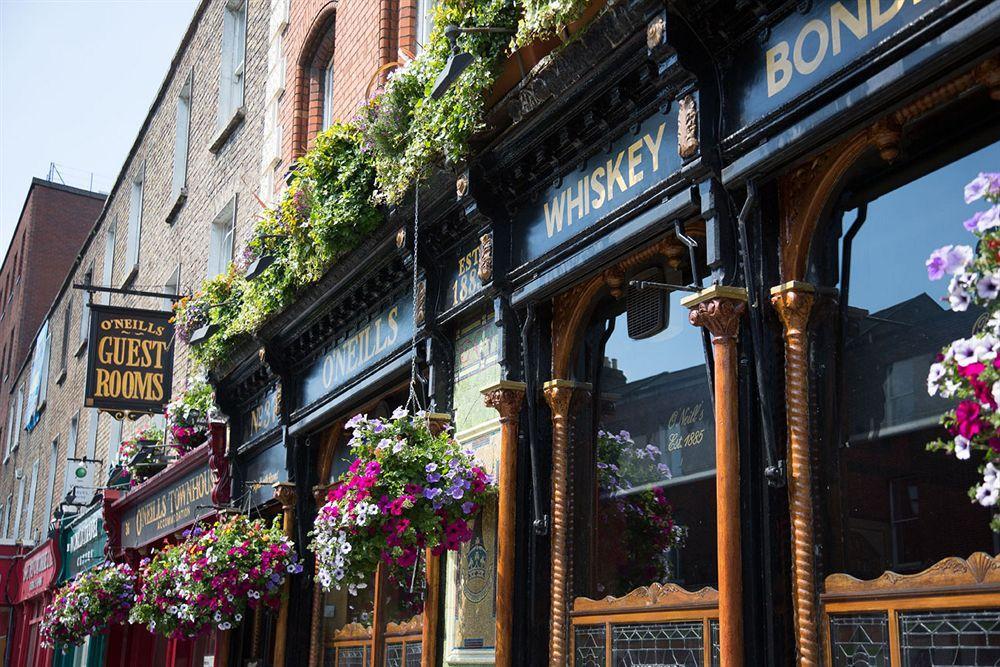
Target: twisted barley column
{"x": 316, "y": 625}
{"x": 794, "y": 301}
{"x": 559, "y": 394}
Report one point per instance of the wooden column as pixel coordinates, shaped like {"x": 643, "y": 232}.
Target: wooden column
{"x": 718, "y": 309}
{"x": 560, "y": 394}
{"x": 794, "y": 301}
{"x": 432, "y": 575}
{"x": 506, "y": 398}
{"x": 285, "y": 493}
{"x": 222, "y": 641}
{"x": 316, "y": 629}
{"x": 378, "y": 618}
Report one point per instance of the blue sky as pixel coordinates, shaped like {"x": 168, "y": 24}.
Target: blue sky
{"x": 76, "y": 81}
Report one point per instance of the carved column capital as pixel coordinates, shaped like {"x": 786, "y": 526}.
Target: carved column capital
{"x": 436, "y": 421}
{"x": 559, "y": 395}
{"x": 320, "y": 492}
{"x": 794, "y": 301}
{"x": 505, "y": 397}
{"x": 285, "y": 493}
{"x": 718, "y": 309}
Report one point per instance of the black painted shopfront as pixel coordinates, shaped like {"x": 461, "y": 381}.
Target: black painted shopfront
{"x": 724, "y": 492}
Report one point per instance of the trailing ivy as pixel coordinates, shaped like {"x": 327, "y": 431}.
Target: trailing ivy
{"x": 327, "y": 209}
{"x": 398, "y": 138}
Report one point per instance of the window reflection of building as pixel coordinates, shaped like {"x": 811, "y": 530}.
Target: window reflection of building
{"x": 661, "y": 468}
{"x": 348, "y": 619}
{"x": 894, "y": 505}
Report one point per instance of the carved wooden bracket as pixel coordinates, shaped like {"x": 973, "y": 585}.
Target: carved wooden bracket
{"x": 979, "y": 573}
{"x": 646, "y": 597}
{"x": 486, "y": 257}
{"x": 718, "y": 309}
{"x": 506, "y": 398}
{"x": 222, "y": 492}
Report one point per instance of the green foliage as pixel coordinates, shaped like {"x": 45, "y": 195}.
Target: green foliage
{"x": 543, "y": 18}
{"x": 396, "y": 140}
{"x": 327, "y": 209}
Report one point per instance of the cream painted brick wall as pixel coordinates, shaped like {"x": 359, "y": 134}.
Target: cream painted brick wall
{"x": 212, "y": 180}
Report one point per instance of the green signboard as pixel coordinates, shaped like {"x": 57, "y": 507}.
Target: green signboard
{"x": 85, "y": 540}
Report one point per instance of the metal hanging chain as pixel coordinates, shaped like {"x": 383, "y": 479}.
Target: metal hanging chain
{"x": 413, "y": 401}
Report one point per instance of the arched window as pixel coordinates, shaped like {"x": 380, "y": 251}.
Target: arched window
{"x": 314, "y": 82}
{"x": 639, "y": 469}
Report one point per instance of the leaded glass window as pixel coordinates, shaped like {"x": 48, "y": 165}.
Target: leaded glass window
{"x": 589, "y": 646}
{"x": 950, "y": 638}
{"x": 673, "y": 644}
{"x": 860, "y": 640}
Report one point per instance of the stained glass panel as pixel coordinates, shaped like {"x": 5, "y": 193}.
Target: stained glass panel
{"x": 957, "y": 638}
{"x": 589, "y": 643}
{"x": 414, "y": 653}
{"x": 662, "y": 644}
{"x": 394, "y": 655}
{"x": 860, "y": 640}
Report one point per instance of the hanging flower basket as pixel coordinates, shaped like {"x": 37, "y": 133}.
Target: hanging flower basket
{"x": 212, "y": 577}
{"x": 143, "y": 455}
{"x": 88, "y": 604}
{"x": 638, "y": 511}
{"x": 406, "y": 490}
{"x": 968, "y": 370}
{"x": 187, "y": 416}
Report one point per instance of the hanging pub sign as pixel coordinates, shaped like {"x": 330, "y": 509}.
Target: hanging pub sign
{"x": 180, "y": 503}
{"x": 130, "y": 360}
{"x": 807, "y": 48}
{"x": 633, "y": 164}
{"x": 373, "y": 339}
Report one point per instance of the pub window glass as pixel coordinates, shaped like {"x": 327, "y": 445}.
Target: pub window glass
{"x": 891, "y": 504}
{"x": 347, "y": 619}
{"x": 644, "y": 451}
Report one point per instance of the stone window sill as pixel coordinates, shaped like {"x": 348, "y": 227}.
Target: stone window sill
{"x": 227, "y": 130}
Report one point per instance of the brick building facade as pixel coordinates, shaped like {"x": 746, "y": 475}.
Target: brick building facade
{"x": 184, "y": 201}
{"x": 52, "y": 225}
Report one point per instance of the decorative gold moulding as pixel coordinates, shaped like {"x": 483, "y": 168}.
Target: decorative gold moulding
{"x": 792, "y": 286}
{"x": 714, "y": 292}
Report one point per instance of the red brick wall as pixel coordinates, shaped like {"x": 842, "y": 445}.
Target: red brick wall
{"x": 53, "y": 224}
{"x": 362, "y": 36}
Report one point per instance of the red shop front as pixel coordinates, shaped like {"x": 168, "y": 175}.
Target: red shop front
{"x": 150, "y": 516}
{"x": 35, "y": 575}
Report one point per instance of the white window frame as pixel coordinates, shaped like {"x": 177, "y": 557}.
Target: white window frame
{"x": 50, "y": 484}
{"x": 182, "y": 135}
{"x": 17, "y": 421}
{"x": 220, "y": 241}
{"x": 29, "y": 519}
{"x": 425, "y": 23}
{"x": 114, "y": 441}
{"x": 108, "y": 270}
{"x": 232, "y": 74}
{"x": 89, "y": 482}
{"x": 74, "y": 435}
{"x": 10, "y": 429}
{"x": 39, "y": 378}
{"x": 172, "y": 286}
{"x": 88, "y": 279}
{"x": 66, "y": 328}
{"x": 20, "y": 507}
{"x": 134, "y": 240}
{"x": 6, "y": 515}
{"x": 328, "y": 84}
